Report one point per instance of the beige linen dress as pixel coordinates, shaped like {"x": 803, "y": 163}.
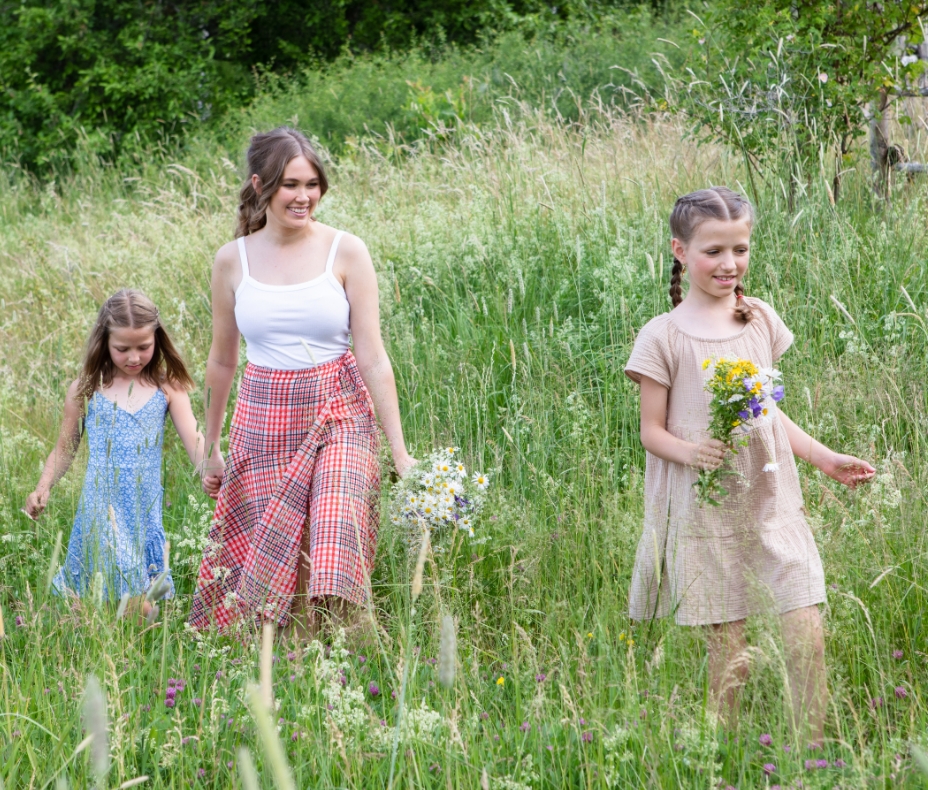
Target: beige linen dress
{"x": 755, "y": 551}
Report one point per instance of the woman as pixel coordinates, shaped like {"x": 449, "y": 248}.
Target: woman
{"x": 297, "y": 513}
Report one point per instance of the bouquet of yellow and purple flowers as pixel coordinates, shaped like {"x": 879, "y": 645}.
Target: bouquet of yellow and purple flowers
{"x": 741, "y": 393}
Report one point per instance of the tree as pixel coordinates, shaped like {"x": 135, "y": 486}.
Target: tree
{"x": 786, "y": 80}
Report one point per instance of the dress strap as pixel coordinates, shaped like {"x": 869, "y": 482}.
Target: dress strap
{"x": 242, "y": 255}
{"x": 332, "y": 251}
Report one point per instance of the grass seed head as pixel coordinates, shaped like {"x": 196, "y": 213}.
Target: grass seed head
{"x": 96, "y": 726}
{"x": 447, "y": 652}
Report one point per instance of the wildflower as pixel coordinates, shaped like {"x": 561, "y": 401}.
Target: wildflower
{"x": 169, "y": 702}
{"x": 901, "y": 693}
{"x": 765, "y": 740}
{"x": 20, "y": 622}
{"x": 218, "y": 674}
{"x": 481, "y": 481}
{"x": 201, "y": 773}
{"x": 171, "y": 692}
{"x": 362, "y": 659}
{"x": 769, "y": 768}
{"x": 373, "y": 689}
{"x": 897, "y": 654}
{"x": 501, "y": 681}
{"x": 295, "y": 736}
{"x": 787, "y": 748}
{"x": 197, "y": 702}
{"x": 484, "y": 716}
{"x": 821, "y": 763}
{"x": 622, "y": 637}
{"x": 540, "y": 677}
{"x": 840, "y": 764}
{"x": 525, "y": 726}
{"x": 292, "y": 678}
{"x": 589, "y": 635}
{"x": 823, "y": 78}
{"x": 876, "y": 702}
{"x": 587, "y": 737}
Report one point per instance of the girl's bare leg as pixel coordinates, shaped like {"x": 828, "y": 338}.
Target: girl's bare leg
{"x": 728, "y": 669}
{"x": 804, "y": 644}
{"x": 306, "y": 621}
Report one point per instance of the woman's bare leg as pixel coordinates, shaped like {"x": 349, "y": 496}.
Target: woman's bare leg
{"x": 804, "y": 644}
{"x": 306, "y": 620}
{"x": 728, "y": 669}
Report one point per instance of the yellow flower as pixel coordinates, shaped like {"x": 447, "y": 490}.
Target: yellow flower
{"x": 765, "y": 412}
{"x": 736, "y": 423}
{"x": 631, "y": 642}
{"x": 706, "y": 363}
{"x": 589, "y": 635}
{"x": 501, "y": 681}
{"x": 622, "y": 637}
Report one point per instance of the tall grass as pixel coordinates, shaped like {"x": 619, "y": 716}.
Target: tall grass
{"x": 516, "y": 263}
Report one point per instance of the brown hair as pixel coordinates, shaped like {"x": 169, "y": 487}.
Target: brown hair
{"x": 268, "y": 156}
{"x": 689, "y": 212}
{"x": 130, "y": 309}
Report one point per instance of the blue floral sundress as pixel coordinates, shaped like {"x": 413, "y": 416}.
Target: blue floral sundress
{"x": 126, "y": 546}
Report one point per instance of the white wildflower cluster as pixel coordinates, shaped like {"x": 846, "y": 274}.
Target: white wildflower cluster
{"x": 616, "y": 751}
{"x": 526, "y": 773}
{"x": 437, "y": 493}
{"x": 189, "y": 542}
{"x": 347, "y": 716}
{"x": 419, "y": 725}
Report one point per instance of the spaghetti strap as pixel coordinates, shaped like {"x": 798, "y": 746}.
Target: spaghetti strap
{"x": 332, "y": 251}
{"x": 242, "y": 256}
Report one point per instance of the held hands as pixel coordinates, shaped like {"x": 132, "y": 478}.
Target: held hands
{"x": 211, "y": 472}
{"x": 35, "y": 504}
{"x": 707, "y": 455}
{"x": 847, "y": 469}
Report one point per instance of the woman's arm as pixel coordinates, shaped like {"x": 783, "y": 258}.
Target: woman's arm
{"x": 658, "y": 441}
{"x": 373, "y": 363}
{"x": 61, "y": 458}
{"x": 846, "y": 469}
{"x": 186, "y": 425}
{"x": 221, "y": 363}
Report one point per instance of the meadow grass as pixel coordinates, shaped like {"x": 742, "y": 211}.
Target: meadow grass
{"x": 516, "y": 262}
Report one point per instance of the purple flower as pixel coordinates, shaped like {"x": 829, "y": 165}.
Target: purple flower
{"x": 541, "y": 677}
{"x": 810, "y": 765}
{"x": 171, "y": 683}
{"x": 218, "y": 674}
{"x": 362, "y": 659}
{"x": 484, "y": 715}
{"x": 291, "y": 656}
{"x": 765, "y": 740}
{"x": 196, "y": 667}
{"x": 840, "y": 764}
{"x": 295, "y": 736}
{"x": 787, "y": 748}
{"x": 582, "y": 722}
{"x": 146, "y": 708}
{"x": 171, "y": 692}
{"x": 17, "y": 734}
{"x": 185, "y": 740}
{"x": 373, "y": 689}
{"x": 744, "y": 415}
{"x": 778, "y": 393}
{"x": 821, "y": 763}
{"x": 897, "y": 654}
{"x": 180, "y": 685}
{"x": 901, "y": 693}
{"x": 169, "y": 702}
{"x": 201, "y": 773}
{"x": 393, "y": 694}
{"x": 586, "y": 737}
{"x": 769, "y": 768}
{"x": 525, "y": 726}
{"x": 876, "y": 702}
{"x": 19, "y": 621}
{"x": 292, "y": 678}
{"x": 197, "y": 702}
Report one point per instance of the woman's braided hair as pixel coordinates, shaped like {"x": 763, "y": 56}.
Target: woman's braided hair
{"x": 689, "y": 212}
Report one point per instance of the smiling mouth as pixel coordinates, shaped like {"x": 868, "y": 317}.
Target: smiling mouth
{"x": 300, "y": 212}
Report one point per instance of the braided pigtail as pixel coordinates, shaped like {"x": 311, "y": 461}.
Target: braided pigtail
{"x": 743, "y": 311}
{"x": 676, "y": 280}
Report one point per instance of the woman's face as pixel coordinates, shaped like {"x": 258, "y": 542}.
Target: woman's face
{"x": 300, "y": 191}
{"x": 717, "y": 256}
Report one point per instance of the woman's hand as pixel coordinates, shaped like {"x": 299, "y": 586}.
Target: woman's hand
{"x": 35, "y": 504}
{"x": 404, "y": 464}
{"x": 212, "y": 470}
{"x": 708, "y": 455}
{"x": 847, "y": 469}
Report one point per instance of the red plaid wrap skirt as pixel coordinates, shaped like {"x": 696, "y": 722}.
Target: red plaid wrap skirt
{"x": 303, "y": 454}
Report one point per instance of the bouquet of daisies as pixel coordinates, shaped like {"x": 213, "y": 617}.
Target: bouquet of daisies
{"x": 741, "y": 393}
{"x": 437, "y": 494}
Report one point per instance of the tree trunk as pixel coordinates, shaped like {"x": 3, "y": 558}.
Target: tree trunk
{"x": 879, "y": 143}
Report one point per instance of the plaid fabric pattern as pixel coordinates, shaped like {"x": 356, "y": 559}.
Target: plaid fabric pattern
{"x": 303, "y": 454}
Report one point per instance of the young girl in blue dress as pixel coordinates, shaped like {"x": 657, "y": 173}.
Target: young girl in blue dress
{"x": 132, "y": 377}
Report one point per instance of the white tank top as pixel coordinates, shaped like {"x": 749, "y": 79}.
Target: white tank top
{"x": 292, "y": 327}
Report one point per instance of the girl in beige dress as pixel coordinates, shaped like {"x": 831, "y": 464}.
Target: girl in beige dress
{"x": 715, "y": 565}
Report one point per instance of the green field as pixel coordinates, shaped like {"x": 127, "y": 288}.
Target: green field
{"x": 517, "y": 259}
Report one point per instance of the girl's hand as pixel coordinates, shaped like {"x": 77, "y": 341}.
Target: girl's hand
{"x": 403, "y": 464}
{"x": 35, "y": 504}
{"x": 708, "y": 455}
{"x": 211, "y": 473}
{"x": 847, "y": 469}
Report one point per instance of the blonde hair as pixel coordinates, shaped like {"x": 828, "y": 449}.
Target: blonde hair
{"x": 130, "y": 309}
{"x": 268, "y": 156}
{"x": 689, "y": 212}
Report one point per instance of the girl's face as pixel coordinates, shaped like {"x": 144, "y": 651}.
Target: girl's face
{"x": 300, "y": 191}
{"x": 716, "y": 257}
{"x": 131, "y": 349}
